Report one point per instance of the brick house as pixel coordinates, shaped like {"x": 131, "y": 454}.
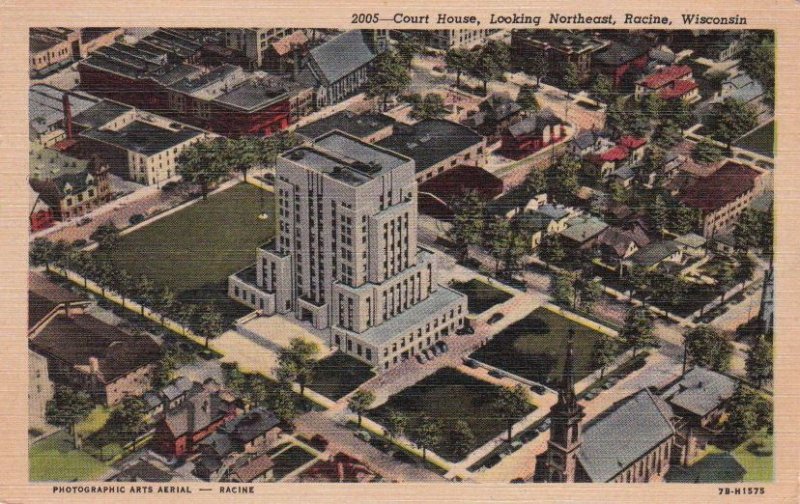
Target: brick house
{"x": 100, "y": 359}
{"x": 723, "y": 195}
{"x": 531, "y": 134}
{"x": 622, "y": 63}
{"x": 181, "y": 430}
{"x": 40, "y": 214}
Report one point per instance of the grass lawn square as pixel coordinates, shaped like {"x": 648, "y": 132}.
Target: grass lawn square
{"x": 533, "y": 347}
{"x": 290, "y": 460}
{"x": 55, "y": 459}
{"x": 339, "y": 374}
{"x": 480, "y": 295}
{"x": 757, "y": 463}
{"x": 194, "y": 250}
{"x": 447, "y": 395}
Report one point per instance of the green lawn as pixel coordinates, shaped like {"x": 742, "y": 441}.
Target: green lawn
{"x": 339, "y": 374}
{"x": 533, "y": 347}
{"x": 480, "y": 295}
{"x": 55, "y": 459}
{"x": 720, "y": 466}
{"x": 93, "y": 422}
{"x": 447, "y": 395}
{"x": 761, "y": 140}
{"x": 194, "y": 250}
{"x": 758, "y": 467}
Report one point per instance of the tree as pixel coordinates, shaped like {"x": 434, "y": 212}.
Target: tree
{"x": 527, "y": 100}
{"x": 233, "y": 377}
{"x": 511, "y": 405}
{"x": 619, "y": 194}
{"x": 748, "y": 412}
{"x": 680, "y": 114}
{"x": 428, "y": 434}
{"x": 745, "y": 267}
{"x": 591, "y": 292}
{"x": 462, "y": 439}
{"x": 604, "y": 352}
{"x": 706, "y": 152}
{"x": 390, "y": 77}
{"x": 430, "y": 107}
{"x": 297, "y": 363}
{"x": 127, "y": 420}
{"x": 165, "y": 371}
{"x": 122, "y": 283}
{"x": 257, "y": 389}
{"x": 107, "y": 237}
{"x": 459, "y": 60}
{"x": 563, "y": 288}
{"x": 186, "y": 315}
{"x": 659, "y": 214}
{"x": 506, "y": 245}
{"x": 468, "y": 222}
{"x": 536, "y": 181}
{"x": 684, "y": 219}
{"x": 638, "y": 331}
{"x": 84, "y": 264}
{"x": 602, "y": 87}
{"x": 203, "y": 163}
{"x": 105, "y": 275}
{"x": 758, "y": 60}
{"x": 396, "y": 423}
{"x": 360, "y": 402}
{"x": 210, "y": 323}
{"x": 705, "y": 346}
{"x": 731, "y": 119}
{"x": 491, "y": 62}
{"x": 284, "y": 404}
{"x": 145, "y": 291}
{"x": 667, "y": 135}
{"x": 538, "y": 65}
{"x": 748, "y": 229}
{"x": 652, "y": 106}
{"x": 40, "y": 253}
{"x": 759, "y": 361}
{"x": 563, "y": 179}
{"x": 163, "y": 301}
{"x": 68, "y": 407}
{"x": 408, "y": 47}
{"x": 725, "y": 277}
{"x": 571, "y": 78}
{"x": 551, "y": 250}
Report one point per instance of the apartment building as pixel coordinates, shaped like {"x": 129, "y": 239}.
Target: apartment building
{"x": 346, "y": 257}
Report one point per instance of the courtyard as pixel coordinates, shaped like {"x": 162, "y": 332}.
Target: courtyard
{"x": 533, "y": 347}
{"x": 56, "y": 459}
{"x": 480, "y": 295}
{"x": 194, "y": 250}
{"x": 447, "y": 395}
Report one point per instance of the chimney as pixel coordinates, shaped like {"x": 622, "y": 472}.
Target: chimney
{"x": 67, "y": 115}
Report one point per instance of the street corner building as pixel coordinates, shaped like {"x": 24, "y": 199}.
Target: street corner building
{"x": 346, "y": 256}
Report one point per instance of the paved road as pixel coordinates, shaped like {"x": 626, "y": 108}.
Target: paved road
{"x": 343, "y": 439}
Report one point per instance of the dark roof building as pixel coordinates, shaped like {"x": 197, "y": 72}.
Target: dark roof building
{"x": 368, "y": 126}
{"x": 700, "y": 391}
{"x": 655, "y": 253}
{"x": 45, "y": 298}
{"x": 722, "y": 187}
{"x": 144, "y": 138}
{"x": 432, "y": 142}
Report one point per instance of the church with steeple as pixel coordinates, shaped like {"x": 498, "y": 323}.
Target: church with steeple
{"x": 631, "y": 442}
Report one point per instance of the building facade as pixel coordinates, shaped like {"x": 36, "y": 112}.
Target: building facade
{"x": 40, "y": 389}
{"x": 452, "y": 39}
{"x": 558, "y": 48}
{"x": 346, "y": 257}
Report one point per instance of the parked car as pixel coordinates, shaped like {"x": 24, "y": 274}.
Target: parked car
{"x": 435, "y": 350}
{"x": 544, "y": 425}
{"x": 470, "y": 363}
{"x": 538, "y": 388}
{"x": 84, "y": 221}
{"x": 427, "y": 355}
{"x": 496, "y": 374}
{"x": 420, "y": 359}
{"x": 442, "y": 346}
{"x": 590, "y": 395}
{"x": 497, "y": 317}
{"x": 467, "y": 329}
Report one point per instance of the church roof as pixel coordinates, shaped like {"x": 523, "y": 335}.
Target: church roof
{"x": 624, "y": 435}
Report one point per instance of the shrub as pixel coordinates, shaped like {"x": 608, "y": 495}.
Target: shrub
{"x": 136, "y": 219}
{"x": 79, "y": 243}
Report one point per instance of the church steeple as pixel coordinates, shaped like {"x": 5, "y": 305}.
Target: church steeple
{"x": 566, "y": 415}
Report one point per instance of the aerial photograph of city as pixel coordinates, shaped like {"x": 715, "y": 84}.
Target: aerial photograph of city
{"x": 395, "y": 256}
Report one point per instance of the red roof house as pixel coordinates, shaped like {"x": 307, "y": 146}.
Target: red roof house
{"x": 672, "y": 82}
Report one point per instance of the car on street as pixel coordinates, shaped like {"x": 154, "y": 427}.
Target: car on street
{"x": 467, "y": 329}
{"x": 420, "y": 359}
{"x": 538, "y": 388}
{"x": 470, "y": 363}
{"x": 442, "y": 346}
{"x": 427, "y": 355}
{"x": 494, "y": 373}
{"x": 544, "y": 425}
{"x": 497, "y": 317}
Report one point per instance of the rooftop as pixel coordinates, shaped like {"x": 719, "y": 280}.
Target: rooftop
{"x": 664, "y": 76}
{"x": 583, "y": 229}
{"x": 46, "y": 164}
{"x": 535, "y": 124}
{"x": 77, "y": 339}
{"x": 619, "y": 53}
{"x": 252, "y": 95}
{"x": 700, "y": 391}
{"x": 624, "y": 434}
{"x": 46, "y": 106}
{"x": 692, "y": 240}
{"x": 677, "y": 90}
{"x": 44, "y": 296}
{"x": 431, "y": 141}
{"x": 567, "y": 41}
{"x": 654, "y": 253}
{"x": 144, "y": 138}
{"x": 721, "y": 188}
{"x": 357, "y": 125}
{"x": 340, "y": 56}
{"x": 346, "y": 158}
{"x": 100, "y": 114}
{"x": 436, "y": 302}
